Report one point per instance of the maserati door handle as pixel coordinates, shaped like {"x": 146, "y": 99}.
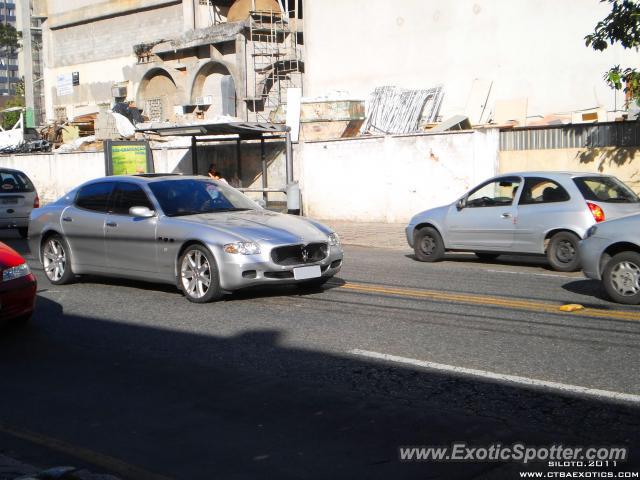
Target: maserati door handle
{"x": 67, "y": 219}
{"x": 506, "y": 215}
{"x": 112, "y": 224}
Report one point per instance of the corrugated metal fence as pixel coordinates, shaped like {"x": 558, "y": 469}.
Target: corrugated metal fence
{"x": 611, "y": 134}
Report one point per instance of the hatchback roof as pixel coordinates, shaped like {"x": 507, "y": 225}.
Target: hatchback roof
{"x": 555, "y": 174}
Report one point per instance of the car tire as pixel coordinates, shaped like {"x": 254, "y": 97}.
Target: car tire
{"x": 621, "y": 278}
{"x": 56, "y": 260}
{"x": 23, "y": 232}
{"x": 428, "y": 245}
{"x": 486, "y": 255}
{"x": 562, "y": 252}
{"x": 198, "y": 275}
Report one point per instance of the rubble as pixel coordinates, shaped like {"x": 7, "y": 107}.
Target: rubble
{"x": 394, "y": 110}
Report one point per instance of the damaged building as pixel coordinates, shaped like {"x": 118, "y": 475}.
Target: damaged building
{"x": 174, "y": 60}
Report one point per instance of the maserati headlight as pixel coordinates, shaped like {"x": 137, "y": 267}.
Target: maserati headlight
{"x": 334, "y": 239}
{"x": 15, "y": 272}
{"x": 591, "y": 231}
{"x": 243, "y": 248}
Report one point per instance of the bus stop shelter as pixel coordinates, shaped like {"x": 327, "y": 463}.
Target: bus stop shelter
{"x": 238, "y": 132}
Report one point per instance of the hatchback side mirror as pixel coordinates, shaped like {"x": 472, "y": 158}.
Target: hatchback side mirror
{"x": 460, "y": 204}
{"x": 141, "y": 212}
{"x": 261, "y": 202}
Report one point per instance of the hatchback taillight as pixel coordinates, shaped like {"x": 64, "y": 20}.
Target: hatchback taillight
{"x": 36, "y": 202}
{"x": 596, "y": 211}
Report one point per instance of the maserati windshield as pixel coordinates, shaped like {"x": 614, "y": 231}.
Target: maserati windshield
{"x": 193, "y": 196}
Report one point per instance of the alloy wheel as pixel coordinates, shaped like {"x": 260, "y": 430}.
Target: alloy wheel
{"x": 625, "y": 278}
{"x": 54, "y": 260}
{"x": 195, "y": 274}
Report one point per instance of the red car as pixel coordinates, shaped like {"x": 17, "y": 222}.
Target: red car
{"x": 17, "y": 288}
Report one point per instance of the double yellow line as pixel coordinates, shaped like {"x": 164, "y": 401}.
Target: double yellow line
{"x": 491, "y": 301}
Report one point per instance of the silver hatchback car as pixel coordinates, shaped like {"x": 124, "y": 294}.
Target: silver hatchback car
{"x": 523, "y": 213}
{"x": 196, "y": 233}
{"x": 18, "y": 197}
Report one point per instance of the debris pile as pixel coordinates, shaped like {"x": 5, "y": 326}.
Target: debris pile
{"x": 394, "y": 110}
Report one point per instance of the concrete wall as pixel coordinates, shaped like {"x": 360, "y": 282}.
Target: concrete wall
{"x": 624, "y": 163}
{"x": 529, "y": 48}
{"x": 56, "y": 173}
{"x": 96, "y": 51}
{"x": 370, "y": 179}
{"x": 389, "y": 179}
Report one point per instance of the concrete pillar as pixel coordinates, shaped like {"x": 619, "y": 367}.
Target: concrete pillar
{"x": 25, "y": 27}
{"x": 189, "y": 15}
{"x": 241, "y": 77}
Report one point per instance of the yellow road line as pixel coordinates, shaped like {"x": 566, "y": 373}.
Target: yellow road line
{"x": 111, "y": 464}
{"x": 473, "y": 299}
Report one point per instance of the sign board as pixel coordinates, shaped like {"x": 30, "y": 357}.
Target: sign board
{"x": 64, "y": 84}
{"x": 127, "y": 158}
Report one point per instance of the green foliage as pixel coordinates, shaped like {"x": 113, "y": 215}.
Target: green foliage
{"x": 9, "y": 36}
{"x": 621, "y": 26}
{"x": 9, "y": 119}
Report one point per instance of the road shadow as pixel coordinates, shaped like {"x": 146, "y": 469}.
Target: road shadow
{"x": 589, "y": 287}
{"x": 538, "y": 261}
{"x": 250, "y": 405}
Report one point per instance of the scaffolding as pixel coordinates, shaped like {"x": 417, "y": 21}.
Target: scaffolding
{"x": 275, "y": 60}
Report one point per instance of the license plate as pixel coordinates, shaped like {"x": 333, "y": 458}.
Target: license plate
{"x": 302, "y": 273}
{"x": 9, "y": 201}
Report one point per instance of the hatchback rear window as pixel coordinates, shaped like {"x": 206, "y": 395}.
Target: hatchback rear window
{"x": 605, "y": 189}
{"x": 14, "y": 182}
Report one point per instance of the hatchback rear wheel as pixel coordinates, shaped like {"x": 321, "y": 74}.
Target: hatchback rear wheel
{"x": 56, "y": 260}
{"x": 562, "y": 252}
{"x": 621, "y": 278}
{"x": 198, "y": 275}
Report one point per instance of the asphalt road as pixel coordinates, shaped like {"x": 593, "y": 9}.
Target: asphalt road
{"x": 131, "y": 379}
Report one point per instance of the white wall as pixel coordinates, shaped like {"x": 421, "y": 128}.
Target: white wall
{"x": 55, "y": 174}
{"x": 529, "y": 48}
{"x": 385, "y": 179}
{"x": 389, "y": 179}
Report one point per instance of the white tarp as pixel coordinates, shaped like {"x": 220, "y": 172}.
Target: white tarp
{"x": 123, "y": 125}
{"x": 13, "y": 137}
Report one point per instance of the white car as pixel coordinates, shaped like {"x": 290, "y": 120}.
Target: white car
{"x": 610, "y": 252}
{"x": 523, "y": 213}
{"x": 18, "y": 197}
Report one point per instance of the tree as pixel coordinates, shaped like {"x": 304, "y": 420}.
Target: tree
{"x": 9, "y": 36}
{"x": 9, "y": 119}
{"x": 621, "y": 26}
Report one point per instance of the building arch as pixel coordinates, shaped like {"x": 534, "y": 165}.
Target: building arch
{"x": 214, "y": 90}
{"x": 158, "y": 95}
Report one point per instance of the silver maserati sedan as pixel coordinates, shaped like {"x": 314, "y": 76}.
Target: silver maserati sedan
{"x": 201, "y": 235}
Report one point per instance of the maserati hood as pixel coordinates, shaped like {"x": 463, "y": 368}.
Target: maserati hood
{"x": 262, "y": 225}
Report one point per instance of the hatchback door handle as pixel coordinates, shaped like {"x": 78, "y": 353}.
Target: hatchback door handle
{"x": 506, "y": 215}
{"x": 67, "y": 219}
{"x": 112, "y": 224}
